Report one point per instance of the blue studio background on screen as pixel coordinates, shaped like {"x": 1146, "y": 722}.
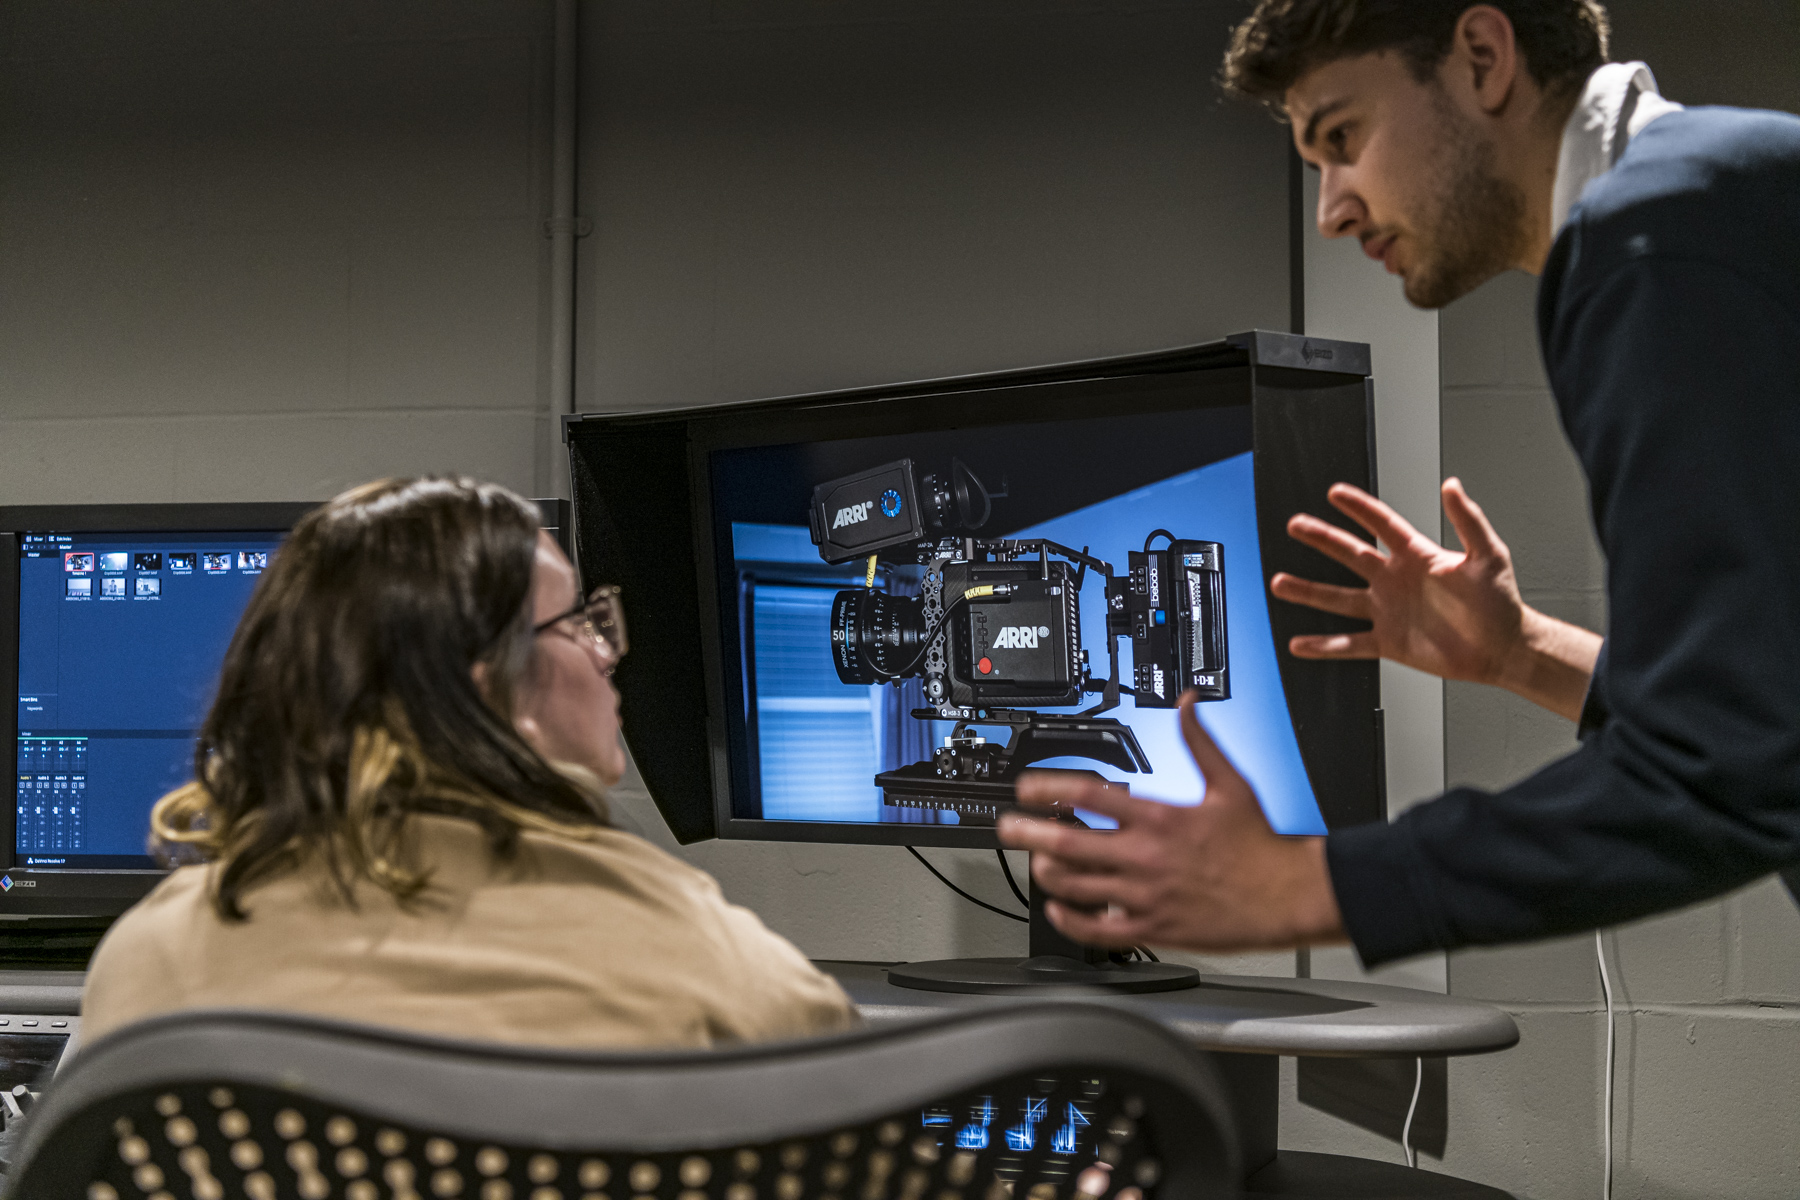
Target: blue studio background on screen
{"x": 820, "y": 742}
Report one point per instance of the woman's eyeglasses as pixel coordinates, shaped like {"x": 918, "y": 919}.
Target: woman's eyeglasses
{"x": 599, "y": 617}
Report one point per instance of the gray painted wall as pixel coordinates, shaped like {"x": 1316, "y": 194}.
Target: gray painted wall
{"x": 795, "y": 195}
{"x": 265, "y": 253}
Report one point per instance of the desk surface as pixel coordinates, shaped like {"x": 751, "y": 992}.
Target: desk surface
{"x": 1255, "y": 1014}
{"x": 1252, "y": 1014}
{"x": 51, "y": 992}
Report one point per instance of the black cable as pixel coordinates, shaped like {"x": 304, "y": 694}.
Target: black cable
{"x": 1148, "y": 953}
{"x": 972, "y": 900}
{"x": 1152, "y": 538}
{"x": 1097, "y": 688}
{"x": 1006, "y": 869}
{"x": 931, "y": 635}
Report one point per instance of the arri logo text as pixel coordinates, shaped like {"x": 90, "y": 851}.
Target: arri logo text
{"x": 853, "y": 514}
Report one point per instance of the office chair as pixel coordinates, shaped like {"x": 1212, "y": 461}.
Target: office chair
{"x": 1039, "y": 1102}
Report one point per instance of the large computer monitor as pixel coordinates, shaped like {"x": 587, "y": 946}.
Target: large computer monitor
{"x": 114, "y": 620}
{"x": 856, "y": 617}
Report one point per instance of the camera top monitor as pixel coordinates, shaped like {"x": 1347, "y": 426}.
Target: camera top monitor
{"x": 906, "y": 597}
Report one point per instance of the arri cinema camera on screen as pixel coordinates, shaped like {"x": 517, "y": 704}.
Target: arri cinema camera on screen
{"x": 995, "y": 631}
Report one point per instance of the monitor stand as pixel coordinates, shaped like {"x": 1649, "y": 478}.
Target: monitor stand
{"x": 1054, "y": 962}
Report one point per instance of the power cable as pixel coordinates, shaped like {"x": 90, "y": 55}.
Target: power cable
{"x": 1011, "y": 916}
{"x": 1006, "y": 869}
{"x": 1606, "y": 1140}
{"x": 1406, "y": 1146}
{"x": 943, "y": 623}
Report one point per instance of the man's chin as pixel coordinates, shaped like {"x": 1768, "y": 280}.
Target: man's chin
{"x": 1428, "y": 289}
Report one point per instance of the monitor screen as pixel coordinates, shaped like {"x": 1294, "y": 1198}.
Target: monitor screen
{"x": 868, "y": 692}
{"x": 120, "y": 640}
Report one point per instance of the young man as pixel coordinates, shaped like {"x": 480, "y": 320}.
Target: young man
{"x": 1456, "y": 142}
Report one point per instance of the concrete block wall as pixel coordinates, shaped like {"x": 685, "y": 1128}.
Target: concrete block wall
{"x": 266, "y": 252}
{"x": 1707, "y": 999}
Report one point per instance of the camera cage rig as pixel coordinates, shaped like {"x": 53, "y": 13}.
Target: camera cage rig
{"x": 965, "y": 575}
{"x": 978, "y": 773}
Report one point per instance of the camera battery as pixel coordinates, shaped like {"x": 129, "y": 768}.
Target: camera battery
{"x": 1175, "y": 609}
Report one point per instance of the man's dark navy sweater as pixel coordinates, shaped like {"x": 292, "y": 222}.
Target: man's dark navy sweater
{"x": 1669, "y": 319}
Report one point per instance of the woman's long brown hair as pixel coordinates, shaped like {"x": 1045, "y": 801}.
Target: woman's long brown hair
{"x": 348, "y": 699}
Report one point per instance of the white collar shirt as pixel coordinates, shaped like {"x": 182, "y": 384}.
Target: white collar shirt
{"x": 1617, "y": 102}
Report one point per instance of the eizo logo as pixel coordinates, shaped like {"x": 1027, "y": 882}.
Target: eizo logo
{"x": 1020, "y": 637}
{"x": 853, "y": 515}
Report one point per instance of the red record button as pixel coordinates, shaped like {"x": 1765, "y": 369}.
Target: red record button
{"x": 984, "y": 666}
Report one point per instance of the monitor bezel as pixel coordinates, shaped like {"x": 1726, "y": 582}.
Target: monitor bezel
{"x": 61, "y": 893}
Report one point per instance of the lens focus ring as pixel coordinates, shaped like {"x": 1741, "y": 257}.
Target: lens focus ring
{"x": 875, "y": 636}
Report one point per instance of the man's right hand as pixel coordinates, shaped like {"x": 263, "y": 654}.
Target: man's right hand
{"x": 1455, "y": 614}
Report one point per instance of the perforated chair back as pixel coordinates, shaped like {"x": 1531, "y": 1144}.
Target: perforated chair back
{"x": 1040, "y": 1102}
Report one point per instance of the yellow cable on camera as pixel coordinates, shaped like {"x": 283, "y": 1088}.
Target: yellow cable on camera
{"x": 870, "y": 580}
{"x": 975, "y": 593}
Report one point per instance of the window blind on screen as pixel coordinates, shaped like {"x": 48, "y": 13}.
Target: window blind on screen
{"x": 820, "y": 741}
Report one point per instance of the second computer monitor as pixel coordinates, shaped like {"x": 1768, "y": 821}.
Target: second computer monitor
{"x": 114, "y": 622}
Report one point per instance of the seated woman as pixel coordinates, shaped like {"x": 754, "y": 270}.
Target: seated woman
{"x": 398, "y": 804}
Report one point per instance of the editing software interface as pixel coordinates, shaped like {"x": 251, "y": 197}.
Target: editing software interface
{"x": 912, "y": 620}
{"x": 121, "y": 636}
{"x": 1045, "y": 1118}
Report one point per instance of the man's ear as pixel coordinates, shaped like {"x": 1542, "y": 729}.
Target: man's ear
{"x": 1484, "y": 58}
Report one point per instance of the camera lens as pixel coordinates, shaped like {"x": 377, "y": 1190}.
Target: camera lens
{"x": 875, "y": 636}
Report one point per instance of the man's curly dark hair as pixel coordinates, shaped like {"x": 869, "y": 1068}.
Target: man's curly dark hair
{"x": 1281, "y": 40}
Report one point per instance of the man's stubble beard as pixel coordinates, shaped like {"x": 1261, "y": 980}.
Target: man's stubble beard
{"x": 1473, "y": 223}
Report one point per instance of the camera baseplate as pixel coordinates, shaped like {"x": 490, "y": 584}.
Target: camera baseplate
{"x": 974, "y": 777}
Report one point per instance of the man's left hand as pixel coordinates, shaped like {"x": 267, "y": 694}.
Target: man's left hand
{"x": 1213, "y": 877}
